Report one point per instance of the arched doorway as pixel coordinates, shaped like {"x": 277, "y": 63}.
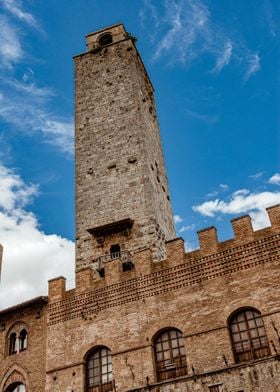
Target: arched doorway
{"x": 16, "y": 387}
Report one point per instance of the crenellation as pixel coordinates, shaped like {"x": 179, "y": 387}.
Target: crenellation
{"x": 242, "y": 228}
{"x": 208, "y": 240}
{"x": 274, "y": 215}
{"x": 57, "y": 289}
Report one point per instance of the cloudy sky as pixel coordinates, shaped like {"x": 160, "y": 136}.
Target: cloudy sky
{"x": 215, "y": 67}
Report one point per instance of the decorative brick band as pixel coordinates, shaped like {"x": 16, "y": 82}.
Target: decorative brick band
{"x": 189, "y": 273}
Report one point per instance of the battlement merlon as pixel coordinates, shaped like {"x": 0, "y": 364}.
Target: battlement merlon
{"x": 57, "y": 288}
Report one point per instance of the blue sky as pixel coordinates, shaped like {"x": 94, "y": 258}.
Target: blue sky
{"x": 216, "y": 72}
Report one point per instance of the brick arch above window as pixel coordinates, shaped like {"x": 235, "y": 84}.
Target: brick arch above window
{"x": 99, "y": 373}
{"x": 248, "y": 335}
{"x": 169, "y": 354}
{"x": 15, "y": 374}
{"x": 16, "y": 338}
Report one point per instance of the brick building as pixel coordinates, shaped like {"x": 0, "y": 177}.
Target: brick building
{"x": 144, "y": 315}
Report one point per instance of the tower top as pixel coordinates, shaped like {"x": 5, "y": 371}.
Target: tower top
{"x": 106, "y": 36}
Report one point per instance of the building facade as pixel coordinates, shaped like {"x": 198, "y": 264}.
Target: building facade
{"x": 144, "y": 314}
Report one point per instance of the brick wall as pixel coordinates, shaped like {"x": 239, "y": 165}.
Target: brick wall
{"x": 27, "y": 366}
{"x": 195, "y": 292}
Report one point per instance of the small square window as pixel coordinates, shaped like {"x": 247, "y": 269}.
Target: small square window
{"x": 215, "y": 388}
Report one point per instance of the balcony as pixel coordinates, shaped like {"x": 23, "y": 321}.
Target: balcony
{"x": 124, "y": 256}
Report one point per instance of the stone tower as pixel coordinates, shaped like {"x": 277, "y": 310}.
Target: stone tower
{"x": 122, "y": 197}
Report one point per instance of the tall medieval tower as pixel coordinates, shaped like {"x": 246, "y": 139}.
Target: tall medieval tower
{"x": 122, "y": 197}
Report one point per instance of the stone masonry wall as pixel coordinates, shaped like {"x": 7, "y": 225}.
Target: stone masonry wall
{"x": 120, "y": 171}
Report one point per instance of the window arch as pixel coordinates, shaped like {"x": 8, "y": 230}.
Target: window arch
{"x": 170, "y": 357}
{"x": 17, "y": 339}
{"x": 13, "y": 343}
{"x": 99, "y": 370}
{"x": 23, "y": 340}
{"x": 16, "y": 387}
{"x": 105, "y": 39}
{"x": 248, "y": 336}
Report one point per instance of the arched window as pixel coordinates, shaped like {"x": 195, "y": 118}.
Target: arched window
{"x": 23, "y": 340}
{"x": 115, "y": 251}
{"x": 105, "y": 39}
{"x": 16, "y": 387}
{"x": 99, "y": 370}
{"x": 13, "y": 344}
{"x": 248, "y": 335}
{"x": 170, "y": 354}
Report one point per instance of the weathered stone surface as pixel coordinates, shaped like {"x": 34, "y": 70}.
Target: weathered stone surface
{"x": 120, "y": 169}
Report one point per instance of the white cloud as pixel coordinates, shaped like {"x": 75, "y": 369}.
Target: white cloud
{"x": 207, "y": 118}
{"x": 186, "y": 31}
{"x": 13, "y": 192}
{"x": 10, "y": 46}
{"x": 275, "y": 179}
{"x": 30, "y": 257}
{"x": 148, "y": 5}
{"x": 242, "y": 201}
{"x": 270, "y": 14}
{"x": 187, "y": 23}
{"x": 28, "y": 86}
{"x": 14, "y": 7}
{"x": 257, "y": 175}
{"x": 224, "y": 187}
{"x": 253, "y": 65}
{"x": 177, "y": 219}
{"x": 187, "y": 228}
{"x": 24, "y": 105}
{"x": 212, "y": 194}
{"x": 224, "y": 58}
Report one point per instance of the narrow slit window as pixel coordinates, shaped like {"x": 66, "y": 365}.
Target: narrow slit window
{"x": 23, "y": 340}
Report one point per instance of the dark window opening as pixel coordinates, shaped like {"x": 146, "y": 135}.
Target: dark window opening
{"x": 215, "y": 388}
{"x": 105, "y": 39}
{"x": 127, "y": 266}
{"x": 101, "y": 272}
{"x": 99, "y": 371}
{"x": 16, "y": 387}
{"x": 248, "y": 336}
{"x": 13, "y": 344}
{"x": 115, "y": 251}
{"x": 23, "y": 340}
{"x": 170, "y": 355}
